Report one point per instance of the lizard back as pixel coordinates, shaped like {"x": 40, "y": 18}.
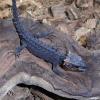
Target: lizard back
{"x": 36, "y": 47}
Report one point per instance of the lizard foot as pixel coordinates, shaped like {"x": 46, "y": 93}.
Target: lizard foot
{"x": 15, "y": 52}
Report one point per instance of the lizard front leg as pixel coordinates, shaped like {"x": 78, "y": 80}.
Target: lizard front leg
{"x": 42, "y": 34}
{"x": 58, "y": 70}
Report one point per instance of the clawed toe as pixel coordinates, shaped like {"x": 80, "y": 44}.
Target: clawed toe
{"x": 16, "y": 54}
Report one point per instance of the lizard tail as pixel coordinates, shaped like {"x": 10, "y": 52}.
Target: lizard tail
{"x": 16, "y": 22}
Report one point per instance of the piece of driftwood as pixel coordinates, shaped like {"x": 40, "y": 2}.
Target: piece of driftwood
{"x": 31, "y": 70}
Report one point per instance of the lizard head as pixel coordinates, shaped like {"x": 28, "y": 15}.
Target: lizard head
{"x": 74, "y": 62}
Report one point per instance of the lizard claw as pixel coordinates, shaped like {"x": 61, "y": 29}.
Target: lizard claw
{"x": 15, "y": 53}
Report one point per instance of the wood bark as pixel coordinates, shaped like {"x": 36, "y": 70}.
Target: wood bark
{"x": 31, "y": 70}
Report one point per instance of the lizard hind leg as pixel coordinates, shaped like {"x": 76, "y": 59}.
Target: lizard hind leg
{"x": 58, "y": 70}
{"x": 19, "y": 49}
{"x": 16, "y": 52}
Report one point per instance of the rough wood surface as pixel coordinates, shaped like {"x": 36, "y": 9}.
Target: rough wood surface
{"x": 31, "y": 70}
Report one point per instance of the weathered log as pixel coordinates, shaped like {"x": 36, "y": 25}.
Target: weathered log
{"x": 31, "y": 70}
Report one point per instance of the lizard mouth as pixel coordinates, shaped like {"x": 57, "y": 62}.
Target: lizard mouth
{"x": 71, "y": 67}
